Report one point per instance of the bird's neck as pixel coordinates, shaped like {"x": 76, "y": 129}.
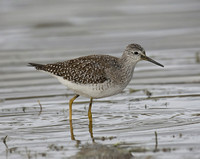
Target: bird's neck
{"x": 127, "y": 68}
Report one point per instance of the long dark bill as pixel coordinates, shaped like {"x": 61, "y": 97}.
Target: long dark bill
{"x": 151, "y": 60}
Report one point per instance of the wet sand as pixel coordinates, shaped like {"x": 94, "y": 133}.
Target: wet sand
{"x": 156, "y": 116}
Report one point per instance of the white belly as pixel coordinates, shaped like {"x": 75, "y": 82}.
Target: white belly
{"x": 92, "y": 90}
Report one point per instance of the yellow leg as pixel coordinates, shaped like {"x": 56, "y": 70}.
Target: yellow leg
{"x": 71, "y": 130}
{"x": 90, "y": 119}
{"x": 70, "y": 106}
{"x": 89, "y": 111}
{"x": 91, "y": 130}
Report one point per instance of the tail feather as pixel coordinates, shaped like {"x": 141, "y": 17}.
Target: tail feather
{"x": 37, "y": 66}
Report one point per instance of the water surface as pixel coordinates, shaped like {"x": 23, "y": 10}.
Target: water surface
{"x": 162, "y": 100}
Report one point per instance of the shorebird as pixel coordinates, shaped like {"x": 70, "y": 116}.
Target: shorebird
{"x": 97, "y": 76}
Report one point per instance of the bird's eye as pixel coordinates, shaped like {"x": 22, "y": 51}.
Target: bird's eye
{"x": 136, "y": 53}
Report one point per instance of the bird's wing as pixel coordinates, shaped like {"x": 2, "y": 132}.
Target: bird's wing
{"x": 83, "y": 70}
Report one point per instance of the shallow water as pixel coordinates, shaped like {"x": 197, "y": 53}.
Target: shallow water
{"x": 163, "y": 100}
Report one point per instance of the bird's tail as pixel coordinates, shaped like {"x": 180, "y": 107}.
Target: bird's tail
{"x": 37, "y": 66}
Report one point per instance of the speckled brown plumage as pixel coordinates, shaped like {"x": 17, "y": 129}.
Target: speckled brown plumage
{"x": 83, "y": 70}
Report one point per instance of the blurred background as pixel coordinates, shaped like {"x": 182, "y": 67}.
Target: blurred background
{"x": 44, "y": 31}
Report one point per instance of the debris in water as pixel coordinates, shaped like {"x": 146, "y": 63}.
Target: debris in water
{"x": 4, "y": 141}
{"x": 198, "y": 57}
{"x": 40, "y": 107}
{"x": 156, "y": 142}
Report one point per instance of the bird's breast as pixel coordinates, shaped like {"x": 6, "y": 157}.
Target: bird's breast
{"x": 99, "y": 90}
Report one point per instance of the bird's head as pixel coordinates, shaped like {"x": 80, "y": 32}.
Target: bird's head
{"x": 136, "y": 53}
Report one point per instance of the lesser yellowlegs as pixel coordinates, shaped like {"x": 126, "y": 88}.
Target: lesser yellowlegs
{"x": 97, "y": 76}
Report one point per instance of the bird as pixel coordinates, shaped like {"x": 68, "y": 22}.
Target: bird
{"x": 96, "y": 76}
